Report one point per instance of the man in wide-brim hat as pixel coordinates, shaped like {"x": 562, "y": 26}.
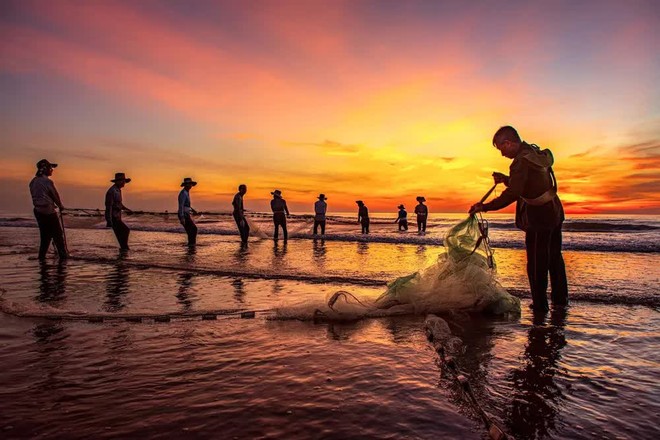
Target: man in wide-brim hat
{"x": 45, "y": 199}
{"x": 402, "y": 219}
{"x": 113, "y": 208}
{"x": 320, "y": 208}
{"x": 280, "y": 211}
{"x": 185, "y": 210}
{"x": 422, "y": 212}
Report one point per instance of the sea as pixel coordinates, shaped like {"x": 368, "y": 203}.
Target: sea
{"x": 172, "y": 341}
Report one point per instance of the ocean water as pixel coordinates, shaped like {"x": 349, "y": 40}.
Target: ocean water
{"x": 591, "y": 372}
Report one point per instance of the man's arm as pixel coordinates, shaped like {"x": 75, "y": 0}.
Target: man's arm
{"x": 515, "y": 186}
{"x": 180, "y": 212}
{"x": 55, "y": 195}
{"x": 286, "y": 208}
{"x": 108, "y": 208}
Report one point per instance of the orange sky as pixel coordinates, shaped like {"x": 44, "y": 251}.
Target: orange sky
{"x": 380, "y": 101}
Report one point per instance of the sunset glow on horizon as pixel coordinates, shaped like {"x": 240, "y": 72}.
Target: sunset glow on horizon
{"x": 374, "y": 100}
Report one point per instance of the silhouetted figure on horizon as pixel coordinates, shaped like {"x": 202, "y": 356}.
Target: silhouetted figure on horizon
{"x": 422, "y": 212}
{"x": 363, "y": 216}
{"x": 539, "y": 212}
{"x": 320, "y": 208}
{"x": 280, "y": 212}
{"x": 186, "y": 211}
{"x": 113, "y": 208}
{"x": 402, "y": 219}
{"x": 239, "y": 213}
{"x": 45, "y": 199}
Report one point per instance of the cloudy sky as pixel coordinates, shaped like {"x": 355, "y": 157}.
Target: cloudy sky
{"x": 376, "y": 100}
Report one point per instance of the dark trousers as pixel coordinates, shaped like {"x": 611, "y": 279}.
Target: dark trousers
{"x": 121, "y": 232}
{"x": 50, "y": 229}
{"x": 403, "y": 225}
{"x": 365, "y": 226}
{"x": 421, "y": 224}
{"x": 318, "y": 223}
{"x": 191, "y": 228}
{"x": 279, "y": 218}
{"x": 243, "y": 227}
{"x": 543, "y": 257}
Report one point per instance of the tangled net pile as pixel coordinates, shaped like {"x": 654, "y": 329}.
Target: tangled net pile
{"x": 461, "y": 280}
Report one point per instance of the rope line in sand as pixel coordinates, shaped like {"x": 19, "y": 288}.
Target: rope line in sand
{"x": 441, "y": 346}
{"x": 234, "y": 273}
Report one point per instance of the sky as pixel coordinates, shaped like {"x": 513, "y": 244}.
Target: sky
{"x": 374, "y": 100}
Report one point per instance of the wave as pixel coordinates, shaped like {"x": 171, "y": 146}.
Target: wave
{"x": 624, "y": 243}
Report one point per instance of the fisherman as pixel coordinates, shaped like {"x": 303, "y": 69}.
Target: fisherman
{"x": 422, "y": 212}
{"x": 320, "y": 208}
{"x": 280, "y": 213}
{"x": 402, "y": 219}
{"x": 45, "y": 198}
{"x": 239, "y": 213}
{"x": 363, "y": 216}
{"x": 113, "y": 208}
{"x": 539, "y": 212}
{"x": 185, "y": 211}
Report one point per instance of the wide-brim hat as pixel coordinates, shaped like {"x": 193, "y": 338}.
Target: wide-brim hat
{"x": 359, "y": 202}
{"x": 277, "y": 193}
{"x": 420, "y": 199}
{"x": 45, "y": 163}
{"x": 401, "y": 207}
{"x": 188, "y": 180}
{"x": 322, "y": 197}
{"x": 121, "y": 177}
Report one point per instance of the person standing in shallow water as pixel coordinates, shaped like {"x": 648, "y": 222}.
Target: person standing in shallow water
{"x": 320, "y": 208}
{"x": 363, "y": 216}
{"x": 402, "y": 219}
{"x": 280, "y": 213}
{"x": 185, "y": 210}
{"x": 113, "y": 208}
{"x": 239, "y": 213}
{"x": 532, "y": 185}
{"x": 45, "y": 199}
{"x": 422, "y": 212}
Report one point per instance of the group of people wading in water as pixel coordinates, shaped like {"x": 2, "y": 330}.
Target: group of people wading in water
{"x": 531, "y": 184}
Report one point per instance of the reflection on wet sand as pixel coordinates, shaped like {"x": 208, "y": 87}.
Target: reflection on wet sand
{"x": 239, "y": 290}
{"x": 537, "y": 398}
{"x": 183, "y": 294}
{"x": 117, "y": 285}
{"x": 52, "y": 281}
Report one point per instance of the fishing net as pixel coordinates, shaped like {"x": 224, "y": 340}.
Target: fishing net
{"x": 463, "y": 278}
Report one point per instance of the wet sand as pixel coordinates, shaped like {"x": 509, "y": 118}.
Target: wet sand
{"x": 592, "y": 373}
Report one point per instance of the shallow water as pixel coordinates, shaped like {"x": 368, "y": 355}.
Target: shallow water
{"x": 590, "y": 374}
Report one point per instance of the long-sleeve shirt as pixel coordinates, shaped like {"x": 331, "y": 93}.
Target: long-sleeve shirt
{"x": 184, "y": 204}
{"x": 422, "y": 211}
{"x": 320, "y": 208}
{"x": 113, "y": 204}
{"x": 403, "y": 215}
{"x": 44, "y": 195}
{"x": 279, "y": 205}
{"x": 363, "y": 214}
{"x": 529, "y": 177}
{"x": 238, "y": 204}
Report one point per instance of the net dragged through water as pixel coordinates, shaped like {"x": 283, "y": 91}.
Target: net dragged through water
{"x": 463, "y": 278}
